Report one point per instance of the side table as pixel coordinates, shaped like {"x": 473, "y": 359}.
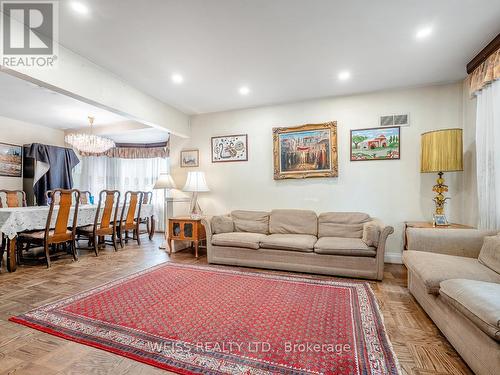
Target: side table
{"x": 185, "y": 229}
{"x": 426, "y": 224}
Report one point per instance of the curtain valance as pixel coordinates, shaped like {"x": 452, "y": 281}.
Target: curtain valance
{"x": 136, "y": 151}
{"x": 485, "y": 73}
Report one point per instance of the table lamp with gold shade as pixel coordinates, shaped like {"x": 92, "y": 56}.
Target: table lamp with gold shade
{"x": 442, "y": 151}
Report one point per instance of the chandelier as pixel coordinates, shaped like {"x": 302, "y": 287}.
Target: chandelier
{"x": 89, "y": 143}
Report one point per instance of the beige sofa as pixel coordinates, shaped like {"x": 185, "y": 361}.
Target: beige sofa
{"x": 455, "y": 276}
{"x": 333, "y": 243}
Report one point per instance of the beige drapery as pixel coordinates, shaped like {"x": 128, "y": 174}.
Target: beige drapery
{"x": 140, "y": 152}
{"x": 485, "y": 73}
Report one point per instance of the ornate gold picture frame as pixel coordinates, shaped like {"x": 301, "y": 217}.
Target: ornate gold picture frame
{"x": 305, "y": 151}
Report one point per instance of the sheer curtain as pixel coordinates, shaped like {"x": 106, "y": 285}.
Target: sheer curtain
{"x": 96, "y": 173}
{"x": 488, "y": 155}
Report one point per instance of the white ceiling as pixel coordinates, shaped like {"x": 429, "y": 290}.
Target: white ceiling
{"x": 284, "y": 50}
{"x": 25, "y": 101}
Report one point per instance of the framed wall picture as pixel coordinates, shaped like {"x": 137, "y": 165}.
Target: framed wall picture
{"x": 230, "y": 148}
{"x": 376, "y": 144}
{"x": 305, "y": 151}
{"x": 190, "y": 158}
{"x": 11, "y": 160}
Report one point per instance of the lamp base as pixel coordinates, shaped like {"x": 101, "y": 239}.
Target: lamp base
{"x": 440, "y": 199}
{"x": 196, "y": 212}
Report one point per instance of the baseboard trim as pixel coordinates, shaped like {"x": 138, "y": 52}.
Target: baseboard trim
{"x": 393, "y": 258}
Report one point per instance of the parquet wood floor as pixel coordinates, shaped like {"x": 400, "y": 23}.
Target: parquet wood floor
{"x": 420, "y": 347}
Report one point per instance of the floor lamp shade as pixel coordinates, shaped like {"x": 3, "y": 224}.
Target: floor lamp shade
{"x": 442, "y": 151}
{"x": 165, "y": 181}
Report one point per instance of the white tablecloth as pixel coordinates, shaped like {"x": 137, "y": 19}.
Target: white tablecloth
{"x": 18, "y": 219}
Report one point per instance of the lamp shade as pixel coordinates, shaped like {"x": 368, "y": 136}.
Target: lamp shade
{"x": 196, "y": 182}
{"x": 442, "y": 151}
{"x": 165, "y": 181}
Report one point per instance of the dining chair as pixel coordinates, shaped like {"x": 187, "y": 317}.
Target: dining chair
{"x": 85, "y": 197}
{"x": 104, "y": 223}
{"x": 130, "y": 216}
{"x": 50, "y": 196}
{"x": 147, "y": 198}
{"x": 10, "y": 198}
{"x": 61, "y": 233}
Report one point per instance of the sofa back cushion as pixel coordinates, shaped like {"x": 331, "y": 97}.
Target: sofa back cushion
{"x": 293, "y": 222}
{"x": 342, "y": 224}
{"x": 222, "y": 224}
{"x": 490, "y": 253}
{"x": 251, "y": 221}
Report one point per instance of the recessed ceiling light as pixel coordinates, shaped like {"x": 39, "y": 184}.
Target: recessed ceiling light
{"x": 244, "y": 90}
{"x": 79, "y": 7}
{"x": 177, "y": 78}
{"x": 344, "y": 75}
{"x": 423, "y": 33}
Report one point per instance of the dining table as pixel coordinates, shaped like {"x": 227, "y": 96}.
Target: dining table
{"x": 14, "y": 220}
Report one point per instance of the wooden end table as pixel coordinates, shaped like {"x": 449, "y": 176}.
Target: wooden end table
{"x": 185, "y": 229}
{"x": 426, "y": 224}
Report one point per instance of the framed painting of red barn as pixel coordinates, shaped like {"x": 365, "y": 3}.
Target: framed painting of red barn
{"x": 376, "y": 144}
{"x": 305, "y": 151}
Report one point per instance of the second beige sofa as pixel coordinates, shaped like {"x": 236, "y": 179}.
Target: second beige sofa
{"x": 334, "y": 243}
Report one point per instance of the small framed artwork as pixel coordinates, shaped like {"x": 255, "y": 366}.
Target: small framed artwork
{"x": 440, "y": 220}
{"x": 376, "y": 144}
{"x": 230, "y": 148}
{"x": 190, "y": 158}
{"x": 11, "y": 160}
{"x": 305, "y": 151}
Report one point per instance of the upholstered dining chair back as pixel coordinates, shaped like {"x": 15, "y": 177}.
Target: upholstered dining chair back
{"x": 84, "y": 197}
{"x": 51, "y": 196}
{"x": 132, "y": 204}
{"x": 147, "y": 197}
{"x": 110, "y": 199}
{"x": 12, "y": 198}
{"x": 65, "y": 198}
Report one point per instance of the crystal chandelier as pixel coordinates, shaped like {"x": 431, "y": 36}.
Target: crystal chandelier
{"x": 89, "y": 143}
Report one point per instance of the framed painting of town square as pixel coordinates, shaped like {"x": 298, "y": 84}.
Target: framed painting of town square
{"x": 305, "y": 151}
{"x": 376, "y": 144}
{"x": 11, "y": 160}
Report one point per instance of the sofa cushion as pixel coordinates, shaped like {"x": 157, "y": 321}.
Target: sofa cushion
{"x": 222, "y": 224}
{"x": 477, "y": 300}
{"x": 238, "y": 239}
{"x": 297, "y": 242}
{"x": 434, "y": 268}
{"x": 293, "y": 222}
{"x": 251, "y": 221}
{"x": 490, "y": 253}
{"x": 342, "y": 224}
{"x": 371, "y": 233}
{"x": 344, "y": 246}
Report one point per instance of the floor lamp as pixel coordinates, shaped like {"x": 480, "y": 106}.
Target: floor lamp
{"x": 165, "y": 182}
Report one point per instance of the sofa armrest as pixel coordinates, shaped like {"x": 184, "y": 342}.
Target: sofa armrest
{"x": 385, "y": 231}
{"x": 206, "y": 222}
{"x": 459, "y": 242}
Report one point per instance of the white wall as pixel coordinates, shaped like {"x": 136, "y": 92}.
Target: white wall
{"x": 392, "y": 190}
{"x": 20, "y": 133}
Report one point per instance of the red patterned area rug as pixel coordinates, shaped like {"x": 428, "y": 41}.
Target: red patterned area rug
{"x": 203, "y": 320}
